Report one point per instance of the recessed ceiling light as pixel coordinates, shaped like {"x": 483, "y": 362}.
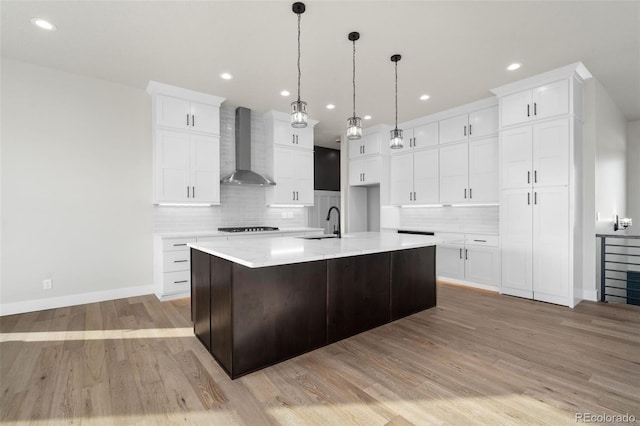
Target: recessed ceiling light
{"x": 514, "y": 66}
{"x": 226, "y": 76}
{"x": 44, "y": 24}
{"x": 367, "y": 117}
{"x": 285, "y": 93}
{"x": 330, "y": 106}
{"x": 424, "y": 97}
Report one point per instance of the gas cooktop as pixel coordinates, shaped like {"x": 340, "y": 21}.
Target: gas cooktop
{"x": 248, "y": 229}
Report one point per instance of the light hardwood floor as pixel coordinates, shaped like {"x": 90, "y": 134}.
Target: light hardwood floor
{"x": 477, "y": 358}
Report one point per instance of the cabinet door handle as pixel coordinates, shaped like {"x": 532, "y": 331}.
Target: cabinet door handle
{"x": 179, "y": 282}
{"x": 528, "y": 115}
{"x": 187, "y": 119}
{"x": 465, "y": 193}
{"x": 528, "y": 198}
{"x": 293, "y": 196}
{"x": 293, "y": 139}
{"x": 460, "y": 253}
{"x": 535, "y": 176}
{"x": 480, "y": 241}
{"x": 179, "y": 245}
{"x": 466, "y": 254}
{"x": 535, "y": 108}
{"x": 364, "y": 177}
{"x": 469, "y": 129}
{"x": 297, "y": 141}
{"x": 470, "y": 193}
{"x": 414, "y": 197}
{"x": 535, "y": 198}
{"x": 414, "y": 142}
{"x": 528, "y": 177}
{"x": 363, "y": 149}
{"x": 187, "y": 192}
{"x": 411, "y": 196}
{"x": 193, "y": 192}
{"x": 193, "y": 120}
{"x": 180, "y": 261}
{"x": 465, "y": 130}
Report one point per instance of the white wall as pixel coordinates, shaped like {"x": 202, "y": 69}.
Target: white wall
{"x": 633, "y": 175}
{"x": 611, "y": 160}
{"x": 76, "y": 185}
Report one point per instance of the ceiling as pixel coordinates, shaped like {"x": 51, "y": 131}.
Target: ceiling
{"x": 453, "y": 51}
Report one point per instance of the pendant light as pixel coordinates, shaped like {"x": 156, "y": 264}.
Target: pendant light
{"x": 298, "y": 108}
{"x": 354, "y": 129}
{"x": 396, "y": 134}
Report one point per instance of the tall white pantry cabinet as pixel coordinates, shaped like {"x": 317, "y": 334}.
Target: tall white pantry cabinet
{"x": 541, "y": 131}
{"x": 186, "y": 145}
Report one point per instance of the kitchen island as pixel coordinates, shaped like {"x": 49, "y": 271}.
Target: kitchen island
{"x": 257, "y": 302}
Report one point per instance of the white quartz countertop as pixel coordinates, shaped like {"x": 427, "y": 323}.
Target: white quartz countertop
{"x": 190, "y": 234}
{"x": 261, "y": 252}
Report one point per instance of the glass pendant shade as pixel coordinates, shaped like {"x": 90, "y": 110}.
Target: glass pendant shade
{"x": 354, "y": 128}
{"x": 396, "y": 139}
{"x": 298, "y": 114}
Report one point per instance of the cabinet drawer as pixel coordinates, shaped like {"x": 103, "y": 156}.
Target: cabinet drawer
{"x": 482, "y": 240}
{"x": 178, "y": 260}
{"x": 177, "y": 282}
{"x": 171, "y": 244}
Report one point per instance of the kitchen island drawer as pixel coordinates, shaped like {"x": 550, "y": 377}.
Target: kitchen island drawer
{"x": 177, "y": 282}
{"x": 176, "y": 261}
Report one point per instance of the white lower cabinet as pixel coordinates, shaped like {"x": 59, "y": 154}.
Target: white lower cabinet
{"x": 535, "y": 239}
{"x": 172, "y": 259}
{"x": 535, "y": 230}
{"x": 473, "y": 260}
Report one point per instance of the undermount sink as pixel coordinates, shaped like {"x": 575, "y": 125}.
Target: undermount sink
{"x": 318, "y": 237}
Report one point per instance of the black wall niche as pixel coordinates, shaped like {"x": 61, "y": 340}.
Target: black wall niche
{"x": 326, "y": 166}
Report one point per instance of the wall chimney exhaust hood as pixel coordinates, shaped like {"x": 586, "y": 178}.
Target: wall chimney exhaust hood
{"x": 243, "y": 175}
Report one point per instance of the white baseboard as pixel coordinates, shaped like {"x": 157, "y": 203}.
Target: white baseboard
{"x": 74, "y": 299}
{"x": 165, "y": 297}
{"x": 470, "y": 284}
{"x": 591, "y": 295}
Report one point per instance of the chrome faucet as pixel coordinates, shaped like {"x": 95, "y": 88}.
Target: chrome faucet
{"x": 337, "y": 232}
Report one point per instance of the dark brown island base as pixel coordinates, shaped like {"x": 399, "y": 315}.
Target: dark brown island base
{"x": 253, "y": 317}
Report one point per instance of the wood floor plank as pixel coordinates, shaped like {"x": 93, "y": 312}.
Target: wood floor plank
{"x": 477, "y": 358}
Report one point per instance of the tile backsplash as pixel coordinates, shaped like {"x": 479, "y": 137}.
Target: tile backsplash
{"x": 475, "y": 219}
{"x": 240, "y": 205}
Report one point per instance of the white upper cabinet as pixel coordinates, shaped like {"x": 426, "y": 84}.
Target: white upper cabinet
{"x": 187, "y": 168}
{"x": 454, "y": 173}
{"x": 541, "y": 102}
{"x": 293, "y": 174}
{"x": 186, "y": 145}
{"x": 286, "y": 135}
{"x": 414, "y": 178}
{"x": 367, "y": 145}
{"x": 279, "y": 131}
{"x": 185, "y": 115}
{"x": 536, "y": 155}
{"x": 289, "y": 154}
{"x": 469, "y": 172}
{"x": 475, "y": 124}
{"x": 483, "y": 171}
{"x": 365, "y": 171}
{"x": 418, "y": 137}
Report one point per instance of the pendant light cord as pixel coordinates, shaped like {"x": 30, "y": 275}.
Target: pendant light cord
{"x": 299, "y": 73}
{"x": 396, "y": 95}
{"x": 354, "y": 78}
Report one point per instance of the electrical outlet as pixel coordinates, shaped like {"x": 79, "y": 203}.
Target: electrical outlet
{"x": 47, "y": 284}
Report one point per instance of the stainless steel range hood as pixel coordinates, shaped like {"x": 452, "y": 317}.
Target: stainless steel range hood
{"x": 243, "y": 175}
